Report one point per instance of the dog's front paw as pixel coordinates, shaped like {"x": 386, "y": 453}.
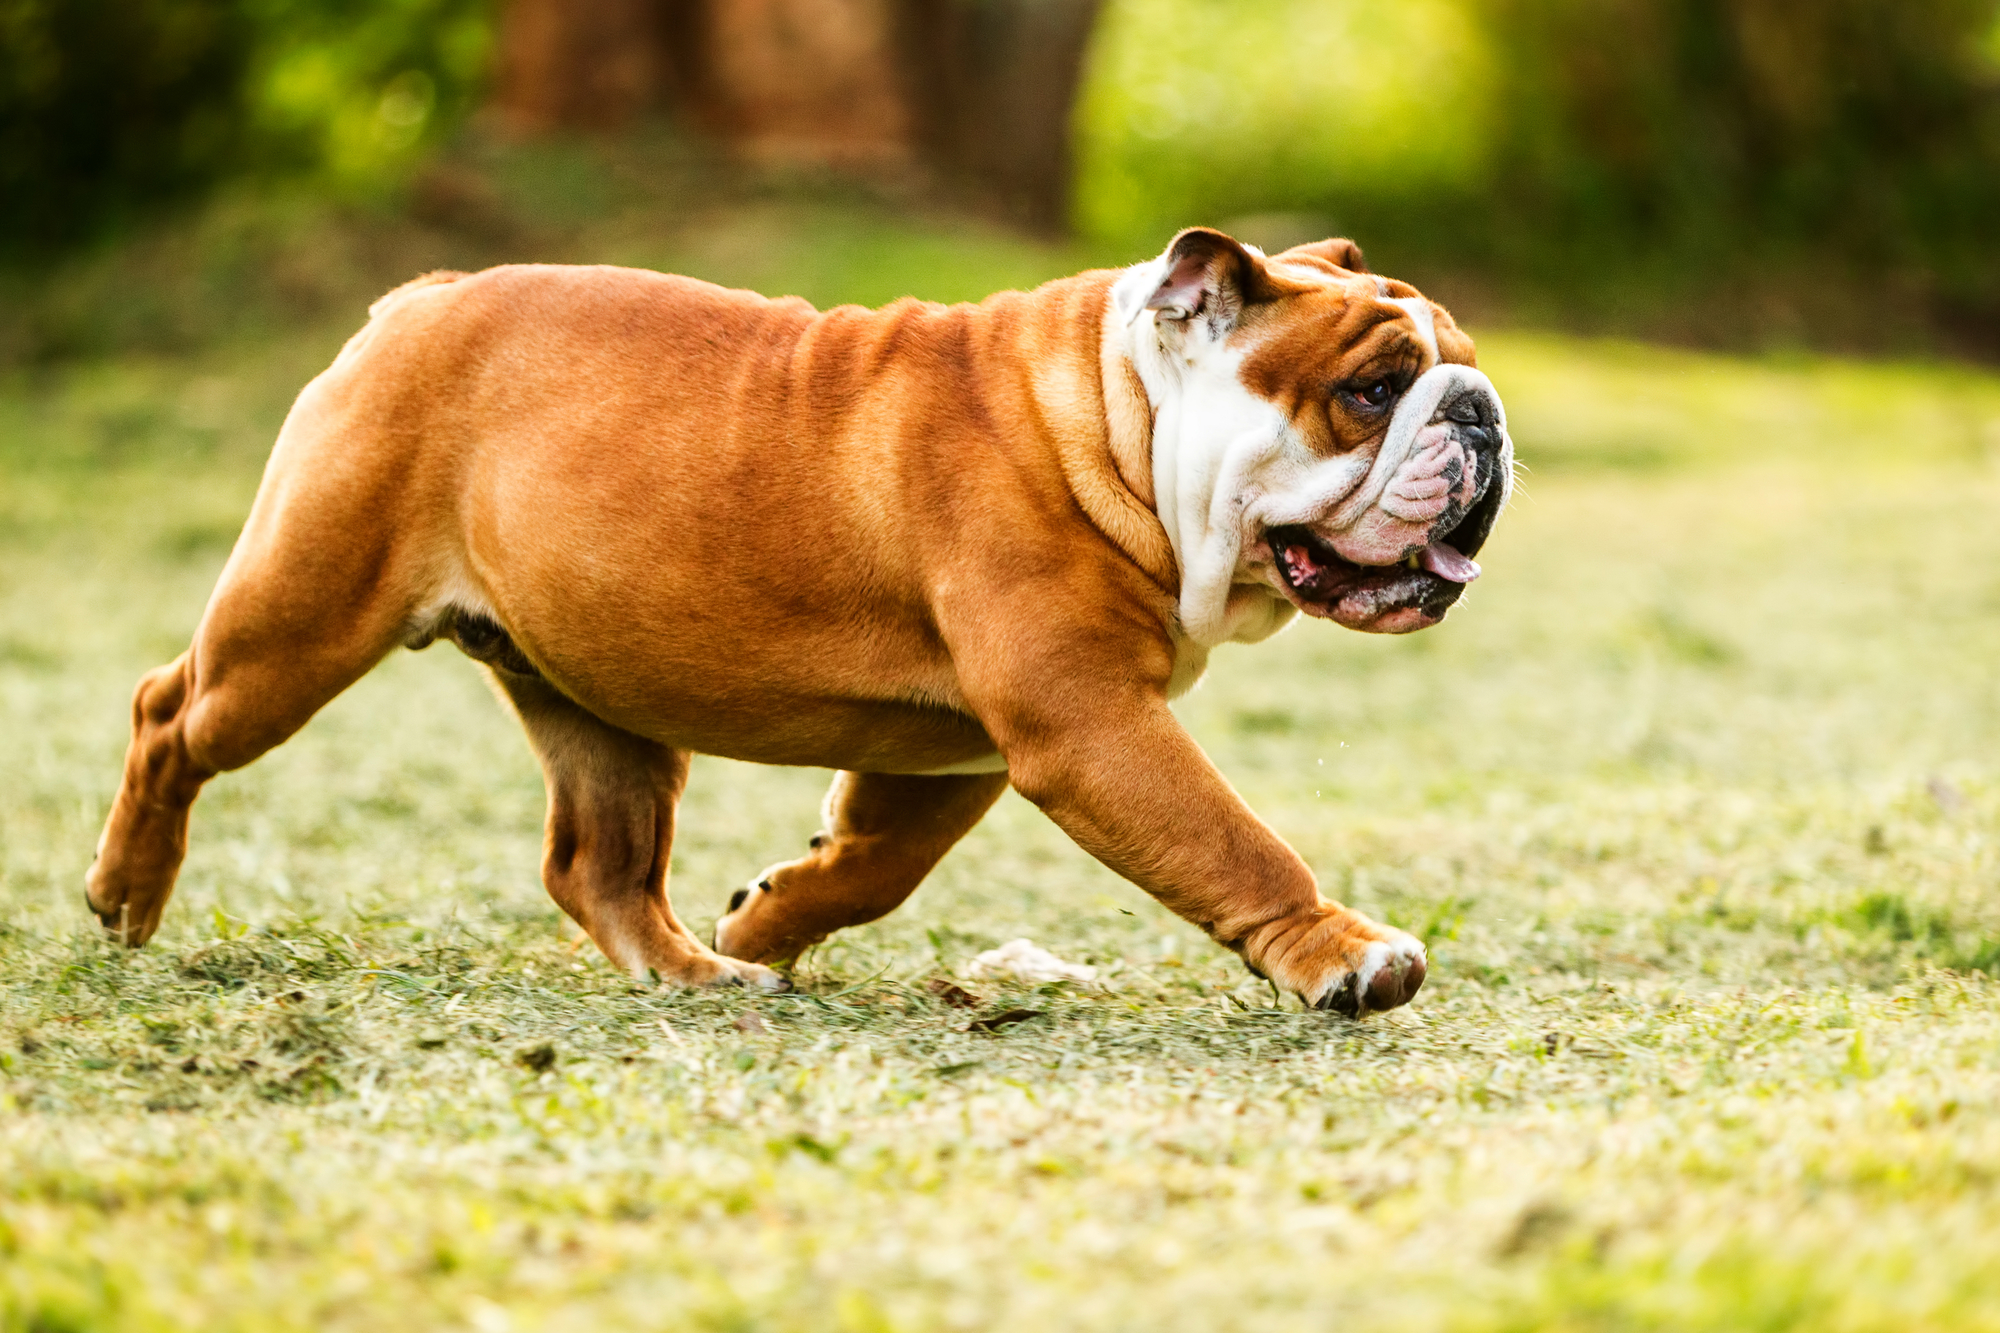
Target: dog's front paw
{"x": 1389, "y": 974}
{"x": 1338, "y": 959}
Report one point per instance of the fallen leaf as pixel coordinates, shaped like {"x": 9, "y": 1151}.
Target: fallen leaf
{"x": 958, "y": 997}
{"x": 998, "y": 1021}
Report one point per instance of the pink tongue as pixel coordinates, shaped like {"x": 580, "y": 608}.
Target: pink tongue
{"x": 1447, "y": 563}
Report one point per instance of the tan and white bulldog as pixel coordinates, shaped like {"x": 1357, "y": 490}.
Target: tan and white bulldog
{"x": 937, "y": 548}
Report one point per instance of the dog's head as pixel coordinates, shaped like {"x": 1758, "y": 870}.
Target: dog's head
{"x": 1321, "y": 438}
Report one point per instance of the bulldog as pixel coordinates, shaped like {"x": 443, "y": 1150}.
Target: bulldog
{"x": 940, "y": 549}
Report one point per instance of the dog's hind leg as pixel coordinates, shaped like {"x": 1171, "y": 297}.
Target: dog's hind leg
{"x": 348, "y": 540}
{"x": 283, "y": 634}
{"x": 883, "y": 834}
{"x": 610, "y": 833}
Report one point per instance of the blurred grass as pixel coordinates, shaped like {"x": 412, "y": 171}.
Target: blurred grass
{"x": 1694, "y": 799}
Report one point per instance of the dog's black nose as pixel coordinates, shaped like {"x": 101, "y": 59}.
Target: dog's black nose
{"x": 1473, "y": 414}
{"x": 1469, "y": 409}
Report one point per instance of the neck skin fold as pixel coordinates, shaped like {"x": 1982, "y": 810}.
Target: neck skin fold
{"x": 1195, "y": 492}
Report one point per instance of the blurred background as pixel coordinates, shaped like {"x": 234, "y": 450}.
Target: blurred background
{"x": 1695, "y": 799}
{"x": 1745, "y": 174}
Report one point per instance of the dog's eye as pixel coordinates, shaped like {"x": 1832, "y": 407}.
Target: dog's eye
{"x": 1372, "y": 395}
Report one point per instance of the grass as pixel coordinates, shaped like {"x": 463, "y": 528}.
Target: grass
{"x": 1694, "y": 798}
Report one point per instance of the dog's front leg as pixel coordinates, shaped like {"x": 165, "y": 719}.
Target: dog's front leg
{"x": 1108, "y": 761}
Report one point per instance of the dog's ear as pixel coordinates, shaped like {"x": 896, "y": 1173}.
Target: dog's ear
{"x": 1340, "y": 252}
{"x": 1207, "y": 275}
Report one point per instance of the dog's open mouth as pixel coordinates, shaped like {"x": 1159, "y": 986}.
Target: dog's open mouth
{"x": 1387, "y": 599}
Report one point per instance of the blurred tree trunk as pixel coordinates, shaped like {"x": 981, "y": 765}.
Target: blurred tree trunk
{"x": 804, "y": 81}
{"x": 991, "y": 84}
{"x": 979, "y": 91}
{"x": 579, "y": 64}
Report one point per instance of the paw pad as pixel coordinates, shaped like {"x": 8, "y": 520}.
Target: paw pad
{"x": 1392, "y": 986}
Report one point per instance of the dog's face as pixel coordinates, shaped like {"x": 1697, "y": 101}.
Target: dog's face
{"x": 1321, "y": 438}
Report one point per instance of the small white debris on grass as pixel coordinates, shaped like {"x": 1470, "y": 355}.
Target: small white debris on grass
{"x": 1023, "y": 959}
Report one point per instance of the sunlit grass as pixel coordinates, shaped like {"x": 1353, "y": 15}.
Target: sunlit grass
{"x": 1694, "y": 798}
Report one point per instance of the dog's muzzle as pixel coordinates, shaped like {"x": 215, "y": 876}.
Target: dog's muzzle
{"x": 1476, "y": 417}
{"x": 1396, "y": 553}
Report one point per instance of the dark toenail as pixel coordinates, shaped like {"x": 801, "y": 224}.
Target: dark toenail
{"x": 817, "y": 841}
{"x": 1344, "y": 999}
{"x": 737, "y": 898}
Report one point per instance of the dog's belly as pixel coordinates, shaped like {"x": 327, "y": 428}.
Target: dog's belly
{"x": 869, "y": 702}
{"x": 862, "y": 735}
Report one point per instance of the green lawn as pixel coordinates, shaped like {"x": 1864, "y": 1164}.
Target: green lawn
{"x": 1695, "y": 798}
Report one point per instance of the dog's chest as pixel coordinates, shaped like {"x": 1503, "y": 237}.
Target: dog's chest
{"x": 1190, "y": 664}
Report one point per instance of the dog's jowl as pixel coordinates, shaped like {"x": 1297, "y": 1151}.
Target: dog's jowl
{"x": 937, "y": 548}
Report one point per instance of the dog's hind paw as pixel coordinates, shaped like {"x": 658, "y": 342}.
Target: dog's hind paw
{"x": 754, "y": 975}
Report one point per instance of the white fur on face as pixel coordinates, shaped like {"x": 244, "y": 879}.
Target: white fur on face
{"x": 1340, "y": 494}
{"x": 1420, "y": 311}
{"x": 1227, "y": 464}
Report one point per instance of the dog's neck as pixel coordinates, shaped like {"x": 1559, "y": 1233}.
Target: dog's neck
{"x": 1135, "y": 448}
{"x": 1093, "y": 411}
{"x": 1167, "y": 415}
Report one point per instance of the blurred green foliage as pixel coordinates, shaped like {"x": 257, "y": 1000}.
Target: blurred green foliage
{"x": 1203, "y": 109}
{"x": 1703, "y": 127}
{"x": 1654, "y": 144}
{"x": 1763, "y": 171}
{"x": 108, "y": 107}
